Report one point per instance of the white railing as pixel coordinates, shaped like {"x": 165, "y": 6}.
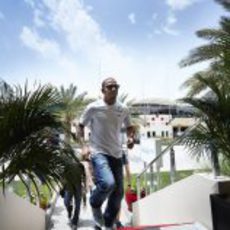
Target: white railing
{"x": 154, "y": 182}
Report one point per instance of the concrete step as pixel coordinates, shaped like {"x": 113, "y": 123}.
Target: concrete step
{"x": 60, "y": 221}
{"x": 192, "y": 226}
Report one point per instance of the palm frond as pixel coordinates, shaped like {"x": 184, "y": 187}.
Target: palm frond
{"x": 224, "y": 3}
{"x": 213, "y": 34}
{"x": 203, "y": 53}
{"x": 213, "y": 106}
{"x": 225, "y": 23}
{"x": 213, "y": 109}
{"x": 197, "y": 141}
{"x": 27, "y": 124}
{"x": 70, "y": 107}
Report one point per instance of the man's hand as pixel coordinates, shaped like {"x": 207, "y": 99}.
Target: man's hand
{"x": 85, "y": 152}
{"x": 130, "y": 142}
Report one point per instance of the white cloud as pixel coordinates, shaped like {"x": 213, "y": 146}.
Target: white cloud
{"x": 154, "y": 16}
{"x": 38, "y": 21}
{"x": 1, "y": 15}
{"x": 170, "y": 31}
{"x": 171, "y": 20}
{"x": 175, "y": 5}
{"x": 87, "y": 50}
{"x": 169, "y": 27}
{"x": 156, "y": 31}
{"x": 71, "y": 20}
{"x": 166, "y": 27}
{"x": 132, "y": 18}
{"x": 47, "y": 48}
{"x": 89, "y": 8}
{"x": 38, "y": 13}
{"x": 180, "y": 4}
{"x": 81, "y": 31}
{"x": 87, "y": 56}
{"x": 30, "y": 2}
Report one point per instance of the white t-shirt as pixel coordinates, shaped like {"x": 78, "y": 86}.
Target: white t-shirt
{"x": 105, "y": 122}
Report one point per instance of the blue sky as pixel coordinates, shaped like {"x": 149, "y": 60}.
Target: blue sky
{"x": 139, "y": 42}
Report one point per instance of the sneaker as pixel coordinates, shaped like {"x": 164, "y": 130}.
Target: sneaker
{"x": 98, "y": 217}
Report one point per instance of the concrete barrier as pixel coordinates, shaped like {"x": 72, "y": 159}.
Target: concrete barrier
{"x": 17, "y": 213}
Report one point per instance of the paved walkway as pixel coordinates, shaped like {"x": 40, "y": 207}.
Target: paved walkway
{"x": 60, "y": 220}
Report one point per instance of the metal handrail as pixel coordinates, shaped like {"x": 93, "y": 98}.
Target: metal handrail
{"x": 176, "y": 141}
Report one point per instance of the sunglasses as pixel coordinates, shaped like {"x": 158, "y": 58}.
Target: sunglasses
{"x": 112, "y": 87}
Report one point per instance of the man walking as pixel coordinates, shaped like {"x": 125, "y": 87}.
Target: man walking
{"x": 105, "y": 117}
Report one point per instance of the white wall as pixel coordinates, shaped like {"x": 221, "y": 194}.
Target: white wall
{"x": 184, "y": 201}
{"x": 18, "y": 214}
{"x": 156, "y": 123}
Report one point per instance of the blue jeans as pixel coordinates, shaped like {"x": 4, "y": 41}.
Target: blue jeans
{"x": 68, "y": 198}
{"x": 108, "y": 175}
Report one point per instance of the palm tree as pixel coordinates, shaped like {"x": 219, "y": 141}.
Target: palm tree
{"x": 213, "y": 110}
{"x": 213, "y": 132}
{"x": 217, "y": 51}
{"x": 27, "y": 127}
{"x": 212, "y": 107}
{"x": 71, "y": 105}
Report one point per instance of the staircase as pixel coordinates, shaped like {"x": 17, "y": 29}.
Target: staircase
{"x": 195, "y": 226}
{"x": 186, "y": 201}
{"x": 184, "y": 204}
{"x": 59, "y": 220}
